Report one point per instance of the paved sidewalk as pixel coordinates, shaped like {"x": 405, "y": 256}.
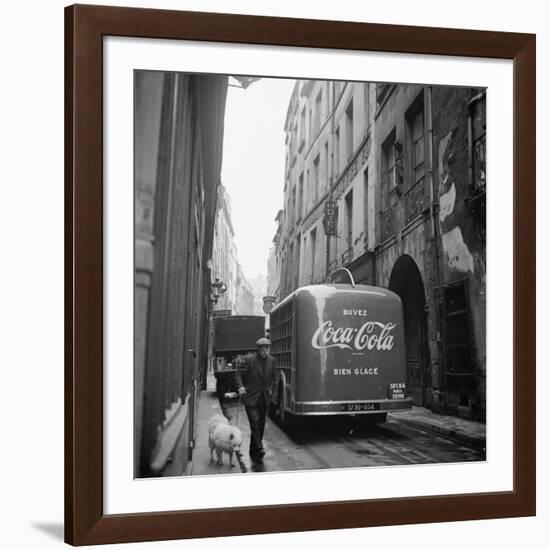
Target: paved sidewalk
{"x": 461, "y": 430}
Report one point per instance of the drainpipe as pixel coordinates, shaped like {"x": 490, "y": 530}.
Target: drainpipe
{"x": 372, "y": 159}
{"x": 436, "y": 234}
{"x": 329, "y": 177}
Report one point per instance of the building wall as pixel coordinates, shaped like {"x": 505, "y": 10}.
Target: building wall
{"x": 431, "y": 223}
{"x": 273, "y": 272}
{"x": 258, "y": 287}
{"x": 274, "y": 260}
{"x": 462, "y": 221}
{"x": 239, "y": 296}
{"x": 179, "y": 129}
{"x": 148, "y": 104}
{"x": 245, "y": 294}
{"x": 224, "y": 252}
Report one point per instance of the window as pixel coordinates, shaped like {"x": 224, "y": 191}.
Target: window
{"x": 415, "y": 122}
{"x": 300, "y": 196}
{"x": 313, "y": 244}
{"x": 326, "y": 174}
{"x": 286, "y": 213}
{"x": 349, "y": 131}
{"x": 297, "y": 261}
{"x": 366, "y": 202}
{"x": 458, "y": 346}
{"x": 367, "y": 104}
{"x": 349, "y": 219}
{"x": 318, "y": 112}
{"x": 302, "y": 127}
{"x": 477, "y": 131}
{"x": 336, "y": 158}
{"x": 316, "y": 163}
{"x": 293, "y": 205}
{"x": 289, "y": 265}
{"x": 308, "y": 187}
{"x": 388, "y": 169}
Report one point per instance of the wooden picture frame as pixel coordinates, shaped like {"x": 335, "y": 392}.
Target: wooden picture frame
{"x": 85, "y": 27}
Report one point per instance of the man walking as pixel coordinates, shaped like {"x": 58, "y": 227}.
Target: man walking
{"x": 254, "y": 379}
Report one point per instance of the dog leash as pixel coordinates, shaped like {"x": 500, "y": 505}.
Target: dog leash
{"x": 238, "y": 454}
{"x": 238, "y": 410}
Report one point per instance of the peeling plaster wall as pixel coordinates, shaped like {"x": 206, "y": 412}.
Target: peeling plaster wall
{"x": 457, "y": 255}
{"x": 447, "y": 203}
{"x": 464, "y": 255}
{"x": 456, "y": 252}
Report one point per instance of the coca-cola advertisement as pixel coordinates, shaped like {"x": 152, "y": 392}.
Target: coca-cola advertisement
{"x": 350, "y": 343}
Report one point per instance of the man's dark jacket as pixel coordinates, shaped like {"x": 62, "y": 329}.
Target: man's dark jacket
{"x": 257, "y": 375}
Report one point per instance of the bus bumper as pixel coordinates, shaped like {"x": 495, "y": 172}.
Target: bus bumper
{"x": 316, "y": 408}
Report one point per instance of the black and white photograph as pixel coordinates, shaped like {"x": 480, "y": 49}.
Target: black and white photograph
{"x": 275, "y": 275}
{"x": 309, "y": 274}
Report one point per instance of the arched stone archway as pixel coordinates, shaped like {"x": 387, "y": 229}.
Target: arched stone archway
{"x": 406, "y": 281}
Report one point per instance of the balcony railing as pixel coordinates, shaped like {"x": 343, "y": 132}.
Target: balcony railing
{"x": 417, "y": 199}
{"x": 387, "y": 223}
{"x": 347, "y": 256}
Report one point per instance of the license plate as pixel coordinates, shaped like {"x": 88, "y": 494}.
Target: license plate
{"x": 359, "y": 407}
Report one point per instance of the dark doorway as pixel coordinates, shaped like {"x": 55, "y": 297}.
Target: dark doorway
{"x": 406, "y": 281}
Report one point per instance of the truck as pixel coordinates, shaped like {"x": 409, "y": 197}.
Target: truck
{"x": 234, "y": 337}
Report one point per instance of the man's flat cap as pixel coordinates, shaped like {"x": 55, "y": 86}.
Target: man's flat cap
{"x": 263, "y": 342}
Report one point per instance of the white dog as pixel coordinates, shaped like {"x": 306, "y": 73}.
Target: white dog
{"x": 223, "y": 438}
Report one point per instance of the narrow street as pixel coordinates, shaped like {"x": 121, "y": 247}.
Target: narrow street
{"x": 322, "y": 442}
{"x": 360, "y": 259}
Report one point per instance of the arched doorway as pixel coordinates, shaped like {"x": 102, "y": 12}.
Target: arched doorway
{"x": 406, "y": 281}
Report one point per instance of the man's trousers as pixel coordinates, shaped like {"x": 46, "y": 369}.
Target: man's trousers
{"x": 256, "y": 418}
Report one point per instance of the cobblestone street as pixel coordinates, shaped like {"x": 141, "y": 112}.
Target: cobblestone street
{"x": 408, "y": 437}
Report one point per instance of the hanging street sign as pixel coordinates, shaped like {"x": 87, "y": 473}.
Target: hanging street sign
{"x": 331, "y": 218}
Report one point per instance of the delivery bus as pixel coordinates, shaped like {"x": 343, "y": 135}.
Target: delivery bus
{"x": 339, "y": 350}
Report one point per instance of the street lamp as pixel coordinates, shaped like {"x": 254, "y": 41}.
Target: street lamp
{"x": 218, "y": 288}
{"x": 269, "y": 302}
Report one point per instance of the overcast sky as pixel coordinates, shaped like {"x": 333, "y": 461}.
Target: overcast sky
{"x": 253, "y": 166}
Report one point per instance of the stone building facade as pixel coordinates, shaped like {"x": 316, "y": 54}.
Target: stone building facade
{"x": 327, "y": 137}
{"x": 224, "y": 252}
{"x": 274, "y": 261}
{"x": 405, "y": 167}
{"x": 239, "y": 296}
{"x": 244, "y": 294}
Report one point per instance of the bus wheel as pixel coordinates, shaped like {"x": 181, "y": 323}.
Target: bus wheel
{"x": 282, "y": 416}
{"x": 376, "y": 418}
